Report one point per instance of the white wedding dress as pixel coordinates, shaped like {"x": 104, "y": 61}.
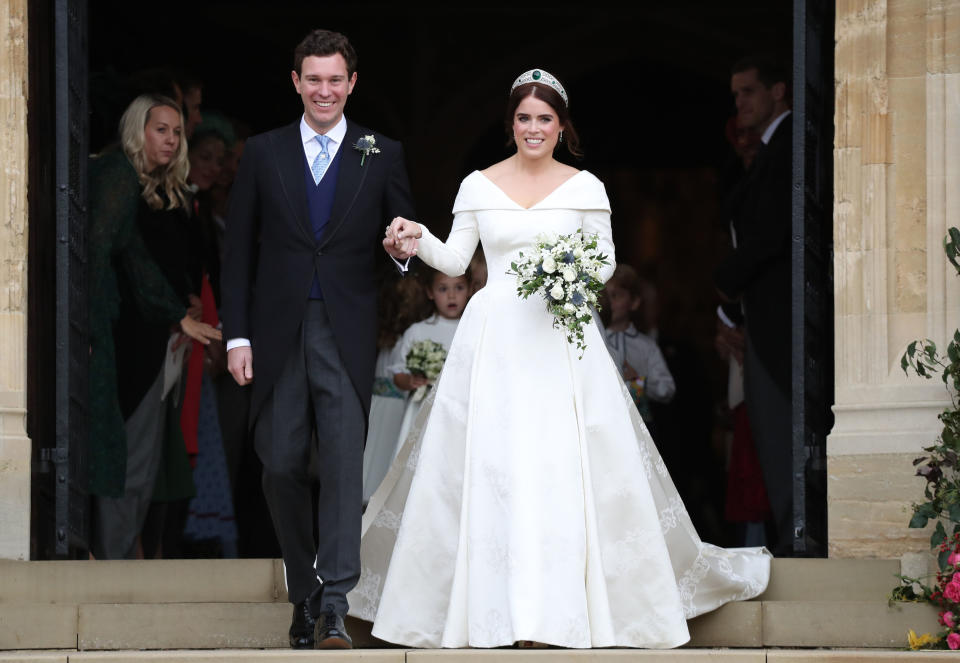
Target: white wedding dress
{"x": 529, "y": 502}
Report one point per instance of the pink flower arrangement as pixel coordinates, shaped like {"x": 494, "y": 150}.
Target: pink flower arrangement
{"x": 951, "y": 592}
{"x": 946, "y": 592}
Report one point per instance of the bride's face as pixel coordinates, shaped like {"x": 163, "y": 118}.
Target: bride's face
{"x": 536, "y": 128}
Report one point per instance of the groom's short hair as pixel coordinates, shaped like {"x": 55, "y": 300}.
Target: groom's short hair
{"x": 322, "y": 43}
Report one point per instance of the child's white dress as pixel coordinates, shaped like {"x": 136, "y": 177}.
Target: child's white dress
{"x": 386, "y": 415}
{"x": 435, "y": 328}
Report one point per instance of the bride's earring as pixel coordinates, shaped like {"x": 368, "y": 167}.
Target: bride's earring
{"x": 561, "y": 137}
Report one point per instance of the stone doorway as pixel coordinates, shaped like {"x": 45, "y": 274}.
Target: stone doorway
{"x": 649, "y": 90}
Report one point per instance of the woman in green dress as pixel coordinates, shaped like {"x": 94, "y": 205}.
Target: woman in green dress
{"x": 144, "y": 175}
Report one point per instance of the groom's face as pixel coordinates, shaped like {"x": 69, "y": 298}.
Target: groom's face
{"x": 324, "y": 85}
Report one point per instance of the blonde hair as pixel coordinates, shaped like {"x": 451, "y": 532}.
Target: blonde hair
{"x": 171, "y": 178}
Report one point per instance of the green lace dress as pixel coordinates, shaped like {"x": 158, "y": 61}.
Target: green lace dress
{"x": 116, "y": 250}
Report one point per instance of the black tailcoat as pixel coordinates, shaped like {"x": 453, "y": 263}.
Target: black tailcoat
{"x": 271, "y": 254}
{"x": 759, "y": 269}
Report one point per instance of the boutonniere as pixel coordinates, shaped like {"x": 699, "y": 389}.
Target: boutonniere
{"x": 367, "y": 145}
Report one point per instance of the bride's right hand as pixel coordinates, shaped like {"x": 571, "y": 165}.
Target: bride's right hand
{"x": 403, "y": 228}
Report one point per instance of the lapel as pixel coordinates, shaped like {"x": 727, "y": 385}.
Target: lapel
{"x": 290, "y": 160}
{"x": 350, "y": 181}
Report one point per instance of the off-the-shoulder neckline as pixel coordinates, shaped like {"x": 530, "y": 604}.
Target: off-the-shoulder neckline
{"x": 539, "y": 202}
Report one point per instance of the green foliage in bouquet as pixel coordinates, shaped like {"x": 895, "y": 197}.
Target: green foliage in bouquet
{"x": 426, "y": 358}
{"x": 565, "y": 271}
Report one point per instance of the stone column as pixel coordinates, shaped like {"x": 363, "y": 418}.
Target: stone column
{"x": 14, "y": 443}
{"x": 896, "y": 191}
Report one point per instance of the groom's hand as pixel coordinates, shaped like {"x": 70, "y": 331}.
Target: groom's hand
{"x": 400, "y": 250}
{"x": 240, "y": 364}
{"x": 400, "y": 239}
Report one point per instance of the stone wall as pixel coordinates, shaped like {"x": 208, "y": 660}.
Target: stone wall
{"x": 896, "y": 191}
{"x": 14, "y": 443}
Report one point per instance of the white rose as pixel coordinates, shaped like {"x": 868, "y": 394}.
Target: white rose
{"x": 549, "y": 265}
{"x": 569, "y": 308}
{"x": 578, "y": 253}
{"x": 557, "y": 291}
{"x": 569, "y": 275}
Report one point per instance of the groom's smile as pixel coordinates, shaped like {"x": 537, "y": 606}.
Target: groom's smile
{"x": 323, "y": 84}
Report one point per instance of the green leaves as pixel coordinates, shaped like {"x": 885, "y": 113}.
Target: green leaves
{"x": 922, "y": 357}
{"x": 951, "y": 246}
{"x": 943, "y": 559}
{"x": 919, "y": 521}
{"x": 921, "y": 514}
{"x": 939, "y": 535}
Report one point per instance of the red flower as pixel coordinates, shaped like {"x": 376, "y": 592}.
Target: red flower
{"x": 952, "y": 593}
{"x": 953, "y": 641}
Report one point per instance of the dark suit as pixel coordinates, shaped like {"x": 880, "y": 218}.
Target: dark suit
{"x": 758, "y": 273}
{"x": 313, "y": 360}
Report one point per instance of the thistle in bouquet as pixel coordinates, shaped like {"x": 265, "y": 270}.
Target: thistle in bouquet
{"x": 425, "y": 359}
{"x": 565, "y": 271}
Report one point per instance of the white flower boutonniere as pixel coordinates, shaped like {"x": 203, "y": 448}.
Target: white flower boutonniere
{"x": 367, "y": 145}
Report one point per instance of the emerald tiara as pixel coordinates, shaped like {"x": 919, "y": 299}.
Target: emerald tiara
{"x": 540, "y": 76}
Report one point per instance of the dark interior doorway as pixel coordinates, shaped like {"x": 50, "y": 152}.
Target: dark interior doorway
{"x": 649, "y": 89}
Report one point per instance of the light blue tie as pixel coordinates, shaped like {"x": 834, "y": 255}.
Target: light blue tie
{"x": 322, "y": 161}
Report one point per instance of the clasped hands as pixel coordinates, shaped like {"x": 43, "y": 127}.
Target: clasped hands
{"x": 400, "y": 238}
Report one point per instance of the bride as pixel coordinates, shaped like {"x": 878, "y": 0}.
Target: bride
{"x": 529, "y": 502}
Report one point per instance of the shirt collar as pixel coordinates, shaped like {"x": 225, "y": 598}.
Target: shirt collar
{"x": 336, "y": 134}
{"x": 768, "y": 134}
{"x": 629, "y": 331}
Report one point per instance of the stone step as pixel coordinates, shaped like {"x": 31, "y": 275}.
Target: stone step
{"x": 143, "y": 581}
{"x": 262, "y": 580}
{"x": 831, "y": 579}
{"x": 106, "y": 626}
{"x": 485, "y": 656}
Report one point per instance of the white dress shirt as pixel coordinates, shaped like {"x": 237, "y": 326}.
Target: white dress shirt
{"x": 311, "y": 147}
{"x": 768, "y": 134}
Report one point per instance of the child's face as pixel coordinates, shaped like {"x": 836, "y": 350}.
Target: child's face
{"x": 449, "y": 295}
{"x": 622, "y": 303}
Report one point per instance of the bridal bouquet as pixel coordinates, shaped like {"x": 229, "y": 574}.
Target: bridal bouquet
{"x": 565, "y": 271}
{"x": 425, "y": 359}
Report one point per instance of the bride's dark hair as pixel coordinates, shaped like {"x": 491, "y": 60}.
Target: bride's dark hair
{"x": 552, "y": 97}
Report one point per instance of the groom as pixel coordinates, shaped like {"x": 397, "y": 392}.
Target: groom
{"x": 300, "y": 280}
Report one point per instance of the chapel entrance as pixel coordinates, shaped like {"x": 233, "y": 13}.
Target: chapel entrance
{"x": 649, "y": 89}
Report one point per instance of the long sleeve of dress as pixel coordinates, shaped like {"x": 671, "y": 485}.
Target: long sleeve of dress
{"x": 398, "y": 358}
{"x": 114, "y": 196}
{"x": 114, "y": 242}
{"x": 597, "y": 222}
{"x": 154, "y": 296}
{"x": 453, "y": 256}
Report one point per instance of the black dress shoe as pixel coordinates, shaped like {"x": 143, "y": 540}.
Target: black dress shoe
{"x": 302, "y": 627}
{"x": 330, "y": 632}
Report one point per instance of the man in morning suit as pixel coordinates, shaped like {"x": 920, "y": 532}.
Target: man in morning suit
{"x": 756, "y": 275}
{"x": 301, "y": 270}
